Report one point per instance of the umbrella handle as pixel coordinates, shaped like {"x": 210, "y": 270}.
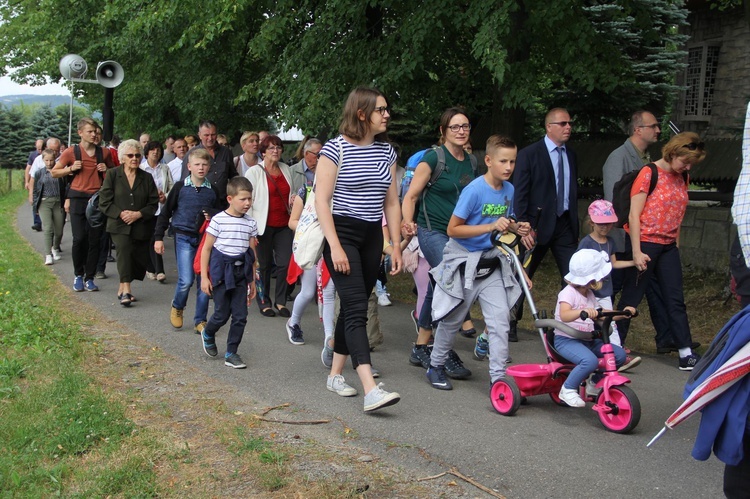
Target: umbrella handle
{"x": 657, "y": 436}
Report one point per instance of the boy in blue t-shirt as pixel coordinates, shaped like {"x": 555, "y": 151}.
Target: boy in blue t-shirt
{"x": 472, "y": 268}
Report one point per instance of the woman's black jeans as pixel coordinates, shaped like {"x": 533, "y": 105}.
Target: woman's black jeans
{"x": 666, "y": 264}
{"x": 363, "y": 243}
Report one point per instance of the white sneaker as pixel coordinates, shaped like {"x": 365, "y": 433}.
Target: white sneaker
{"x": 379, "y": 398}
{"x": 571, "y": 397}
{"x": 48, "y": 260}
{"x": 151, "y": 275}
{"x": 384, "y": 301}
{"x": 337, "y": 384}
{"x": 55, "y": 254}
{"x": 591, "y": 389}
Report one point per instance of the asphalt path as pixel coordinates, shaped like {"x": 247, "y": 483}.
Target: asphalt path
{"x": 543, "y": 451}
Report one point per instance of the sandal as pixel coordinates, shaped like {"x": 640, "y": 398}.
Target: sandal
{"x": 268, "y": 312}
{"x": 283, "y": 311}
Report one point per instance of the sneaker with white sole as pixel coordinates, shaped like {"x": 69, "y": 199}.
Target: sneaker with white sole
{"x": 630, "y": 363}
{"x": 78, "y": 283}
{"x": 234, "y": 361}
{"x": 294, "y": 332}
{"x": 90, "y": 286}
{"x": 437, "y": 378}
{"x": 337, "y": 384}
{"x": 689, "y": 362}
{"x": 384, "y": 301}
{"x": 379, "y": 398}
{"x": 209, "y": 345}
{"x": 454, "y": 368}
{"x": 571, "y": 397}
{"x": 481, "y": 348}
{"x": 326, "y": 356}
{"x": 55, "y": 254}
{"x": 48, "y": 260}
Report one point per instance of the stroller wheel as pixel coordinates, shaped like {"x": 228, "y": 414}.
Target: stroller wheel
{"x": 505, "y": 396}
{"x": 625, "y": 410}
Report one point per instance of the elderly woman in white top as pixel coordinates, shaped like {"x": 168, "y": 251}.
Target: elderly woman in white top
{"x": 272, "y": 200}
{"x": 163, "y": 179}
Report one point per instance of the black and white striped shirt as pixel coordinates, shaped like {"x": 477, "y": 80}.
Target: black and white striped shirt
{"x": 363, "y": 180}
{"x": 232, "y": 233}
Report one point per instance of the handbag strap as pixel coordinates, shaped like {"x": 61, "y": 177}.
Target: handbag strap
{"x": 335, "y": 180}
{"x": 276, "y": 186}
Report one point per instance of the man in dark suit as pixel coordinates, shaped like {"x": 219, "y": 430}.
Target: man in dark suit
{"x": 546, "y": 178}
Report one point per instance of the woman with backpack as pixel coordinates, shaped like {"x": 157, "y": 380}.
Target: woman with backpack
{"x": 427, "y": 207}
{"x": 653, "y": 231}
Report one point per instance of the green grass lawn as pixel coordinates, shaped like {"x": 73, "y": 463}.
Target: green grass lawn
{"x": 60, "y": 434}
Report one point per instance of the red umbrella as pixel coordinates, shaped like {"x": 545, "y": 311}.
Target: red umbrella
{"x": 728, "y": 374}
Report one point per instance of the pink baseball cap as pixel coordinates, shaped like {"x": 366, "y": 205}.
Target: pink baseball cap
{"x": 602, "y": 212}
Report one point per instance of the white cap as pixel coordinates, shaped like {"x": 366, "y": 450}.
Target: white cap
{"x": 588, "y": 265}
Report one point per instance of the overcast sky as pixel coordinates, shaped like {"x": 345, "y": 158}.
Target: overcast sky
{"x": 7, "y": 87}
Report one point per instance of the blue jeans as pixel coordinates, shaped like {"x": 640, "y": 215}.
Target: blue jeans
{"x": 584, "y": 354}
{"x": 431, "y": 243}
{"x": 185, "y": 248}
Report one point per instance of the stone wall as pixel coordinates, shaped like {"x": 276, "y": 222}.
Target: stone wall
{"x": 706, "y": 236}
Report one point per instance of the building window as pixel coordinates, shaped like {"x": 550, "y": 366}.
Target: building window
{"x": 700, "y": 79}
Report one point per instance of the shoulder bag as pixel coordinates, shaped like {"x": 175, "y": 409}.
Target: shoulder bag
{"x": 308, "y": 238}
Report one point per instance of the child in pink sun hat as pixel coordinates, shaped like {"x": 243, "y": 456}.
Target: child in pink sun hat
{"x": 602, "y": 218}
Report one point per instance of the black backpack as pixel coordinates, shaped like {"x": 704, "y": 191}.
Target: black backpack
{"x": 621, "y": 191}
{"x": 440, "y": 167}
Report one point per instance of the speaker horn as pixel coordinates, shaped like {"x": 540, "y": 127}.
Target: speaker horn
{"x": 109, "y": 74}
{"x": 73, "y": 66}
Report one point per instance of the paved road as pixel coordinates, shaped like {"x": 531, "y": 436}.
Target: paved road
{"x": 543, "y": 451}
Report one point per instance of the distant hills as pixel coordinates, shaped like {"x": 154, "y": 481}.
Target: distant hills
{"x": 28, "y": 99}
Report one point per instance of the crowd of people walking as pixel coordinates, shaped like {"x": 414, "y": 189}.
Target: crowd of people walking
{"x": 233, "y": 220}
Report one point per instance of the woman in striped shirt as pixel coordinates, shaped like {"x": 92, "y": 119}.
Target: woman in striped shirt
{"x": 355, "y": 183}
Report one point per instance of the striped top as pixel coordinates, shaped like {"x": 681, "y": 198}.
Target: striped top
{"x": 364, "y": 178}
{"x": 232, "y": 233}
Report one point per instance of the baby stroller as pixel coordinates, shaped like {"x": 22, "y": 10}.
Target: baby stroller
{"x": 617, "y": 405}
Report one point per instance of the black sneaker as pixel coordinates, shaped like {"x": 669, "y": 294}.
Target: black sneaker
{"x": 689, "y": 362}
{"x": 294, "y": 333}
{"x": 454, "y": 368}
{"x": 234, "y": 361}
{"x": 513, "y": 332}
{"x": 209, "y": 345}
{"x": 420, "y": 356}
{"x": 436, "y": 377}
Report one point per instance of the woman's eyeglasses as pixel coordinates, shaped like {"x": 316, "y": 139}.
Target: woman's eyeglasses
{"x": 131, "y": 155}
{"x": 455, "y": 128}
{"x": 275, "y": 148}
{"x": 695, "y": 145}
{"x": 383, "y": 109}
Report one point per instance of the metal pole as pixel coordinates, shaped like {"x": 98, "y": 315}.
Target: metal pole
{"x": 70, "y": 117}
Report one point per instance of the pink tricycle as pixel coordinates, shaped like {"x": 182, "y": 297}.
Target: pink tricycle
{"x": 617, "y": 405}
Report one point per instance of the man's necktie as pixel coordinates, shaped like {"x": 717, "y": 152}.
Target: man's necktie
{"x": 560, "y": 182}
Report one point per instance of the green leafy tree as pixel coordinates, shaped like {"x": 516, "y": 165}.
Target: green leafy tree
{"x": 241, "y": 62}
{"x": 16, "y": 141}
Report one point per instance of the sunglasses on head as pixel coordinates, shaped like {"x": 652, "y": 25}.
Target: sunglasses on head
{"x": 695, "y": 145}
